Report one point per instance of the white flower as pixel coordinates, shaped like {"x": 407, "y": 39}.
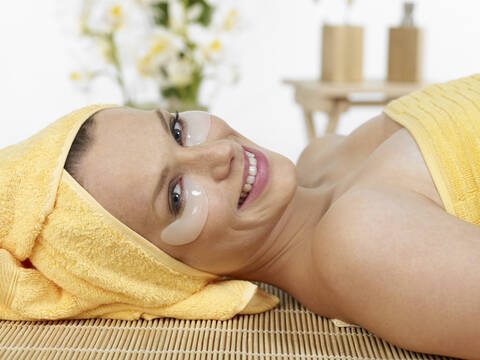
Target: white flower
{"x": 114, "y": 17}
{"x": 106, "y": 16}
{"x": 209, "y": 45}
{"x": 162, "y": 47}
{"x": 230, "y": 20}
{"x": 81, "y": 78}
{"x": 194, "y": 12}
{"x": 180, "y": 72}
{"x": 212, "y": 51}
{"x": 177, "y": 19}
{"x": 198, "y": 34}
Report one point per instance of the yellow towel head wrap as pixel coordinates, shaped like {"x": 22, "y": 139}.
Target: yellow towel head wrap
{"x": 63, "y": 256}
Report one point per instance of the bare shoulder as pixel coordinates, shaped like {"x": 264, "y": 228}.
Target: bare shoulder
{"x": 404, "y": 269}
{"x": 331, "y": 152}
{"x": 317, "y": 148}
{"x": 316, "y": 159}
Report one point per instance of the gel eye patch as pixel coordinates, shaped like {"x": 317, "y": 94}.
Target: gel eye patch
{"x": 197, "y": 126}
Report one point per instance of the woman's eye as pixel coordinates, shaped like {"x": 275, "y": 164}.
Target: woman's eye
{"x": 176, "y": 198}
{"x": 176, "y": 127}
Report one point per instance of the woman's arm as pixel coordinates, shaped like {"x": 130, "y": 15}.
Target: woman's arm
{"x": 406, "y": 270}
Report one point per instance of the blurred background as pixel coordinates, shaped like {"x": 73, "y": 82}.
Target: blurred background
{"x": 235, "y": 56}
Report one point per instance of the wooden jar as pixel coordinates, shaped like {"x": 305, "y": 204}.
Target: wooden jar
{"x": 405, "y": 54}
{"x": 342, "y": 53}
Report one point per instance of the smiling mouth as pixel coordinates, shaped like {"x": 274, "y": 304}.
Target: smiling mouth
{"x": 249, "y": 178}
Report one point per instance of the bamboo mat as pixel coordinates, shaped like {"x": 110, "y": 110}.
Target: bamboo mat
{"x": 289, "y": 331}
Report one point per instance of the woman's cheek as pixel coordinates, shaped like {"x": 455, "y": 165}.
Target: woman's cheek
{"x": 217, "y": 224}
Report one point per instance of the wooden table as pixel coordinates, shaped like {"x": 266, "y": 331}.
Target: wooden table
{"x": 334, "y": 98}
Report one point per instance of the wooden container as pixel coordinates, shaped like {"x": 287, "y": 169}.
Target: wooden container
{"x": 405, "y": 54}
{"x": 342, "y": 53}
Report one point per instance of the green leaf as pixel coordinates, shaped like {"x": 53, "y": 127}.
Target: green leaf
{"x": 187, "y": 93}
{"x": 190, "y": 45}
{"x": 170, "y": 92}
{"x": 163, "y": 71}
{"x": 160, "y": 13}
{"x": 205, "y": 16}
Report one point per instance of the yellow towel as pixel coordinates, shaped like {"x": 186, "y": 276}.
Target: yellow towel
{"x": 444, "y": 120}
{"x": 63, "y": 256}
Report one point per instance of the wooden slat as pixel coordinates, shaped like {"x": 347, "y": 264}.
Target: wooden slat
{"x": 289, "y": 331}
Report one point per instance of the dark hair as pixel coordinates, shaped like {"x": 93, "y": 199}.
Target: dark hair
{"x": 79, "y": 147}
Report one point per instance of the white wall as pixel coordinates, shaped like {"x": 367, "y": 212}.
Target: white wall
{"x": 281, "y": 40}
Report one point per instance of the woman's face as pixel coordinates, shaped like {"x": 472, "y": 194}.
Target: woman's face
{"x": 135, "y": 151}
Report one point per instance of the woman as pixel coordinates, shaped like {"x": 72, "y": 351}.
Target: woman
{"x": 170, "y": 215}
{"x": 356, "y": 230}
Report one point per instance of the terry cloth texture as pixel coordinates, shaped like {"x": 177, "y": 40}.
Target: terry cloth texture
{"x": 444, "y": 119}
{"x": 63, "y": 256}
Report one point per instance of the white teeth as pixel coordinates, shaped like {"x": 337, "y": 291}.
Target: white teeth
{"x": 252, "y": 171}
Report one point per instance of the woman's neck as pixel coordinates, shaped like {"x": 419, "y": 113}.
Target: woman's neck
{"x": 286, "y": 258}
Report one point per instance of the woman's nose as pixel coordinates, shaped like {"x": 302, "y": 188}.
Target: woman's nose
{"x": 213, "y": 158}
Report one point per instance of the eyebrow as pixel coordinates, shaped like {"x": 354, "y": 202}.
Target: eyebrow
{"x": 161, "y": 181}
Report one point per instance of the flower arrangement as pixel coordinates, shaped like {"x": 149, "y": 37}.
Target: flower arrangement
{"x": 177, "y": 45}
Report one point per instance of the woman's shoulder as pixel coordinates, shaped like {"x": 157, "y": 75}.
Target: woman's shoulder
{"x": 318, "y": 147}
{"x": 382, "y": 254}
{"x": 343, "y": 151}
